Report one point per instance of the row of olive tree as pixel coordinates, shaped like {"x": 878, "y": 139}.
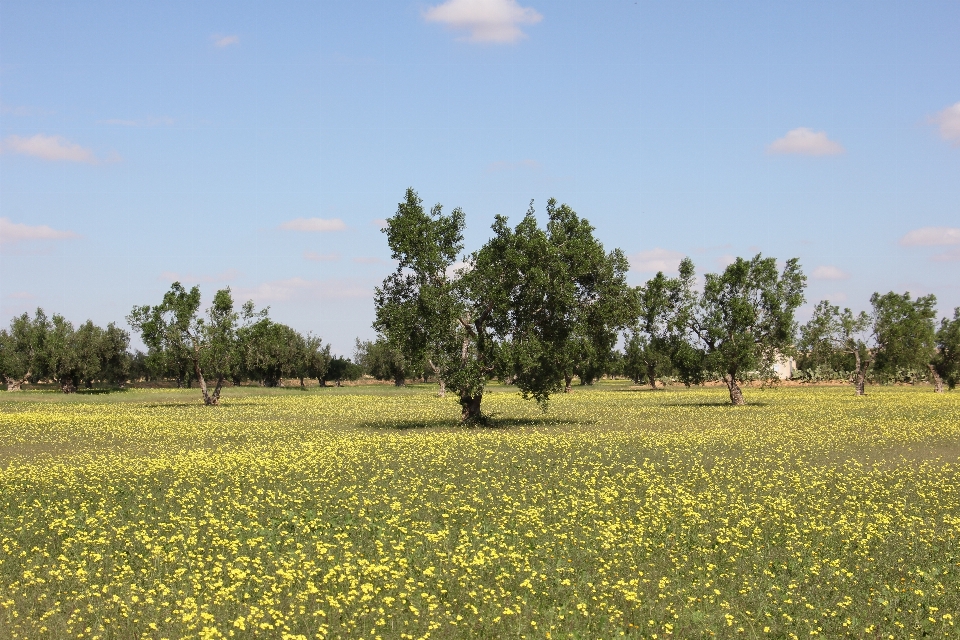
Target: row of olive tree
{"x": 535, "y": 307}
{"x": 42, "y": 348}
{"x": 229, "y": 344}
{"x": 898, "y": 334}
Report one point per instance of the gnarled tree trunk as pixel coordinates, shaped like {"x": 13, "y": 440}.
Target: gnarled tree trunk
{"x": 67, "y": 385}
{"x": 652, "y": 376}
{"x": 15, "y": 385}
{"x": 399, "y": 381}
{"x": 736, "y": 395}
{"x": 568, "y": 382}
{"x": 860, "y": 376}
{"x": 470, "y": 407}
{"x": 937, "y": 380}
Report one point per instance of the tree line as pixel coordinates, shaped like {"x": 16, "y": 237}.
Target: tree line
{"x": 222, "y": 344}
{"x": 534, "y": 307}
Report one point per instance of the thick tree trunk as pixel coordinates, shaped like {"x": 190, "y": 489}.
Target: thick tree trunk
{"x": 302, "y": 385}
{"x": 321, "y": 382}
{"x": 15, "y": 385}
{"x": 470, "y": 408}
{"x": 860, "y": 376}
{"x": 442, "y": 392}
{"x": 736, "y": 395}
{"x": 652, "y": 376}
{"x": 399, "y": 381}
{"x": 568, "y": 381}
{"x": 937, "y": 380}
{"x": 67, "y": 386}
{"x": 215, "y": 398}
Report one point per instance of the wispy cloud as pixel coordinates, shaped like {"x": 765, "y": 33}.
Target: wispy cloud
{"x": 55, "y": 148}
{"x": 221, "y": 41}
{"x": 804, "y": 141}
{"x": 321, "y": 257}
{"x": 223, "y": 277}
{"x": 300, "y": 289}
{"x": 952, "y": 255}
{"x": 24, "y": 111}
{"x": 141, "y": 122}
{"x": 829, "y": 272}
{"x": 484, "y": 20}
{"x": 655, "y": 260}
{"x": 11, "y": 232}
{"x": 314, "y": 224}
{"x": 369, "y": 260}
{"x": 21, "y": 295}
{"x": 503, "y": 165}
{"x": 931, "y": 237}
{"x": 725, "y": 260}
{"x": 949, "y": 122}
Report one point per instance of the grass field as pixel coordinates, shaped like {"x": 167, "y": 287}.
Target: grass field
{"x": 367, "y": 512}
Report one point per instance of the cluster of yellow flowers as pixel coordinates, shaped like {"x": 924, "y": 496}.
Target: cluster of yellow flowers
{"x": 634, "y": 514}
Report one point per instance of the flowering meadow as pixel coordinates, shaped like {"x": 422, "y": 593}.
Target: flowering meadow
{"x": 346, "y": 513}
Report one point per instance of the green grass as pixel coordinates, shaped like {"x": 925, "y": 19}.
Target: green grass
{"x": 368, "y": 512}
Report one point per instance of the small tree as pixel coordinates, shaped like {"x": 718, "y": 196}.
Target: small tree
{"x": 175, "y": 326}
{"x": 946, "y": 362}
{"x": 271, "y": 351}
{"x": 831, "y": 331}
{"x": 745, "y": 318}
{"x": 905, "y": 334}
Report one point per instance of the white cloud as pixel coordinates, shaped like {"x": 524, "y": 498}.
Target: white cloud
{"x": 321, "y": 257}
{"x": 931, "y": 237}
{"x": 189, "y": 278}
{"x": 806, "y": 142}
{"x": 828, "y": 272}
{"x": 368, "y": 260}
{"x": 656, "y": 260}
{"x": 224, "y": 41}
{"x": 49, "y": 148}
{"x": 11, "y": 232}
{"x": 484, "y": 20}
{"x": 838, "y": 297}
{"x": 299, "y": 289}
{"x": 314, "y": 224}
{"x": 949, "y": 122}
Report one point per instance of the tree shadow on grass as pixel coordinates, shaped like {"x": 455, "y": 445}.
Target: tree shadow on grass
{"x": 749, "y": 404}
{"x": 491, "y": 423}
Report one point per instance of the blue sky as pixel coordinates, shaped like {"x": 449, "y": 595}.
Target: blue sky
{"x": 258, "y": 145}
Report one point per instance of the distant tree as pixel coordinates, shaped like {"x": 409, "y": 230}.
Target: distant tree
{"x": 271, "y": 352}
{"x": 21, "y": 349}
{"x": 383, "y": 361}
{"x": 176, "y": 326}
{"x": 663, "y": 305}
{"x": 744, "y": 319}
{"x": 71, "y": 356}
{"x": 905, "y": 333}
{"x": 318, "y": 359}
{"x": 946, "y": 362}
{"x": 830, "y": 332}
{"x": 341, "y": 369}
{"x": 115, "y": 361}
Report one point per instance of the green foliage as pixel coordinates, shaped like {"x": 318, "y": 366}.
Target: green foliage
{"x": 176, "y": 329}
{"x": 342, "y": 369}
{"x": 947, "y": 359}
{"x": 904, "y": 331}
{"x": 21, "y": 348}
{"x": 532, "y": 305}
{"x": 744, "y": 318}
{"x": 383, "y": 362}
